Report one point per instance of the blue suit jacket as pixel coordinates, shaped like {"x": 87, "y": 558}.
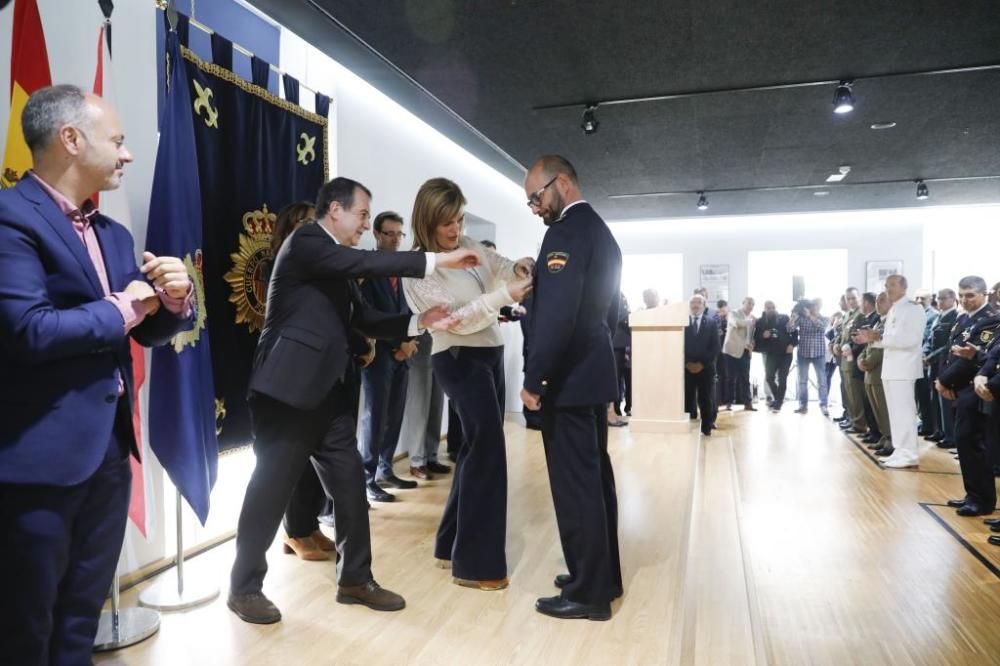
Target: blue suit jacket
{"x": 63, "y": 345}
{"x": 381, "y": 296}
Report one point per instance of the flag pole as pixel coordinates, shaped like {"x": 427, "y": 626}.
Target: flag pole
{"x": 121, "y": 627}
{"x": 178, "y": 592}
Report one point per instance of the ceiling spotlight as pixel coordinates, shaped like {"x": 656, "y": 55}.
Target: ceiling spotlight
{"x": 922, "y": 192}
{"x": 843, "y": 98}
{"x": 590, "y": 123}
{"x": 702, "y": 201}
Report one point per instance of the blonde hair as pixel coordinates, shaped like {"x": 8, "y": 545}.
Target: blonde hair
{"x": 438, "y": 201}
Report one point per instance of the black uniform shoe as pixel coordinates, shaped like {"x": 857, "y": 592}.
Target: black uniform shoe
{"x": 995, "y": 540}
{"x": 438, "y": 468}
{"x": 992, "y": 521}
{"x": 935, "y": 437}
{"x": 370, "y": 594}
{"x": 376, "y": 494}
{"x": 967, "y": 510}
{"x": 254, "y": 608}
{"x": 394, "y": 481}
{"x": 565, "y": 609}
{"x": 957, "y": 503}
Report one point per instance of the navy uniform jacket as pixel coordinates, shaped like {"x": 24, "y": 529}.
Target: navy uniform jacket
{"x": 571, "y": 361}
{"x": 63, "y": 346}
{"x": 703, "y": 346}
{"x": 936, "y": 348}
{"x": 991, "y": 367}
{"x": 956, "y": 372}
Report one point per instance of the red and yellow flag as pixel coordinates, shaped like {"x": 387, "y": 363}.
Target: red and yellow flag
{"x": 29, "y": 71}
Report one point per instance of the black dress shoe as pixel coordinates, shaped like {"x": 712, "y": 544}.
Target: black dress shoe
{"x": 707, "y": 432}
{"x": 935, "y": 437}
{"x": 376, "y": 494}
{"x": 884, "y": 451}
{"x": 994, "y": 528}
{"x": 565, "y": 609}
{"x": 438, "y": 468}
{"x": 956, "y": 503}
{"x": 749, "y": 408}
{"x": 370, "y": 594}
{"x": 394, "y": 481}
{"x": 995, "y": 540}
{"x": 968, "y": 510}
{"x": 945, "y": 444}
{"x": 562, "y": 580}
{"x": 845, "y": 425}
{"x": 254, "y": 608}
{"x": 992, "y": 521}
{"x": 871, "y": 439}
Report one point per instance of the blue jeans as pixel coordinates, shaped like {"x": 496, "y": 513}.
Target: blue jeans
{"x": 818, "y": 365}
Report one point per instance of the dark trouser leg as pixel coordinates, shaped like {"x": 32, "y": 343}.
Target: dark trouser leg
{"x": 704, "y": 384}
{"x": 307, "y": 502}
{"x": 455, "y": 435}
{"x": 628, "y": 387}
{"x": 583, "y": 492}
{"x": 873, "y": 427}
{"x": 743, "y": 379}
{"x": 473, "y": 528}
{"x": 928, "y": 420}
{"x": 285, "y": 439}
{"x": 977, "y": 472}
{"x": 394, "y": 409}
{"x": 784, "y": 365}
{"x": 724, "y": 388}
{"x": 690, "y": 404}
{"x": 948, "y": 419}
{"x": 58, "y": 553}
{"x": 338, "y": 464}
{"x": 771, "y": 362}
{"x": 376, "y": 384}
{"x": 620, "y": 369}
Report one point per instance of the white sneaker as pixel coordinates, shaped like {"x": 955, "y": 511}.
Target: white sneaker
{"x": 898, "y": 463}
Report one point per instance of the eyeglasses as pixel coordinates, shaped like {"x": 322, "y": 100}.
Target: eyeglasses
{"x": 393, "y": 234}
{"x": 535, "y": 198}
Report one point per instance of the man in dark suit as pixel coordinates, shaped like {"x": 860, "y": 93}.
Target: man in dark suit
{"x": 936, "y": 350}
{"x": 571, "y": 372}
{"x": 701, "y": 347}
{"x": 302, "y": 395}
{"x": 71, "y": 298}
{"x": 383, "y": 383}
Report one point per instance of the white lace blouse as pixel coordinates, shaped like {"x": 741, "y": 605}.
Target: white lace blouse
{"x": 475, "y": 294}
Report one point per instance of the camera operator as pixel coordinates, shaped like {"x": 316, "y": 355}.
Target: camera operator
{"x": 810, "y": 328}
{"x": 776, "y": 340}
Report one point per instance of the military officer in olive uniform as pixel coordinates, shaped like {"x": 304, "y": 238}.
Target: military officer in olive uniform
{"x": 570, "y": 370}
{"x": 972, "y": 334}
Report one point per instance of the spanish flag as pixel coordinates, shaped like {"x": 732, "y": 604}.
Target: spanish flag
{"x": 29, "y": 71}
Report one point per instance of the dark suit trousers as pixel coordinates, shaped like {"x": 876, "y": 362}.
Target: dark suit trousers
{"x": 473, "y": 529}
{"x": 586, "y": 503}
{"x": 286, "y": 439}
{"x": 776, "y": 366}
{"x": 739, "y": 378}
{"x": 926, "y": 405}
{"x": 384, "y": 387}
{"x": 307, "y": 501}
{"x": 698, "y": 395}
{"x": 724, "y": 386}
{"x": 973, "y": 456}
{"x": 455, "y": 437}
{"x": 59, "y": 549}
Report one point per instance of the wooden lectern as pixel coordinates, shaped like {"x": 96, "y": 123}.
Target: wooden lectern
{"x": 658, "y": 369}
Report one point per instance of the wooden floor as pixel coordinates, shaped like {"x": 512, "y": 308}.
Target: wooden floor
{"x": 776, "y": 541}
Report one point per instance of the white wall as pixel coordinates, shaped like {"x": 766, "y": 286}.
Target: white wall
{"x": 866, "y": 235}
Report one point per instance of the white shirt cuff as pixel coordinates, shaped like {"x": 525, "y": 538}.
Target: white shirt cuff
{"x": 414, "y": 329}
{"x": 431, "y": 263}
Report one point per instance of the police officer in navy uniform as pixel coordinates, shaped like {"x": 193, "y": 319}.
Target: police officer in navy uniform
{"x": 571, "y": 371}
{"x": 970, "y": 337}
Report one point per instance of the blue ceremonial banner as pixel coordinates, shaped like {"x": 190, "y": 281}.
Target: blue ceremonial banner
{"x": 182, "y": 418}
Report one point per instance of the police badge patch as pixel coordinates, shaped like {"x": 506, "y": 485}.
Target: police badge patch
{"x": 556, "y": 261}
{"x": 986, "y": 337}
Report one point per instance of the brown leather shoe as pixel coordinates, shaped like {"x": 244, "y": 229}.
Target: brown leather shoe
{"x": 305, "y": 548}
{"x": 421, "y": 473}
{"x": 323, "y": 542}
{"x": 370, "y": 594}
{"x": 484, "y": 585}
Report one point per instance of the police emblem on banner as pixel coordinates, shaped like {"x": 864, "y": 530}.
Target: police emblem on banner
{"x": 195, "y": 270}
{"x": 246, "y": 278}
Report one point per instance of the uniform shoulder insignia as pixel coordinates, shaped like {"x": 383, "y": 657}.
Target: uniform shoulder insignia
{"x": 556, "y": 261}
{"x": 986, "y": 337}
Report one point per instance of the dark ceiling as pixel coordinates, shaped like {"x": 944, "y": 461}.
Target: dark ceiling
{"x": 493, "y": 62}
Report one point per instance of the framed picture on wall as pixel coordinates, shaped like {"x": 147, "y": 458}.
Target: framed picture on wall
{"x": 877, "y": 271}
{"x": 715, "y": 278}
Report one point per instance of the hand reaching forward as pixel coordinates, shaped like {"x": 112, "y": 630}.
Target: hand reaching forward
{"x": 461, "y": 258}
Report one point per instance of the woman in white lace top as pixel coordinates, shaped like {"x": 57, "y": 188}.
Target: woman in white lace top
{"x": 468, "y": 363}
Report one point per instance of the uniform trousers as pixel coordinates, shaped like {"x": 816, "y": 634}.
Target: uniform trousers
{"x": 902, "y": 418}
{"x": 973, "y": 454}
{"x": 586, "y": 503}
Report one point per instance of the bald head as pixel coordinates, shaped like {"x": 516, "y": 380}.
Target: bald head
{"x": 551, "y": 185}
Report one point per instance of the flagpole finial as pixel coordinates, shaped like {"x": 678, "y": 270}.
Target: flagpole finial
{"x": 172, "y": 15}
{"x": 107, "y": 6}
